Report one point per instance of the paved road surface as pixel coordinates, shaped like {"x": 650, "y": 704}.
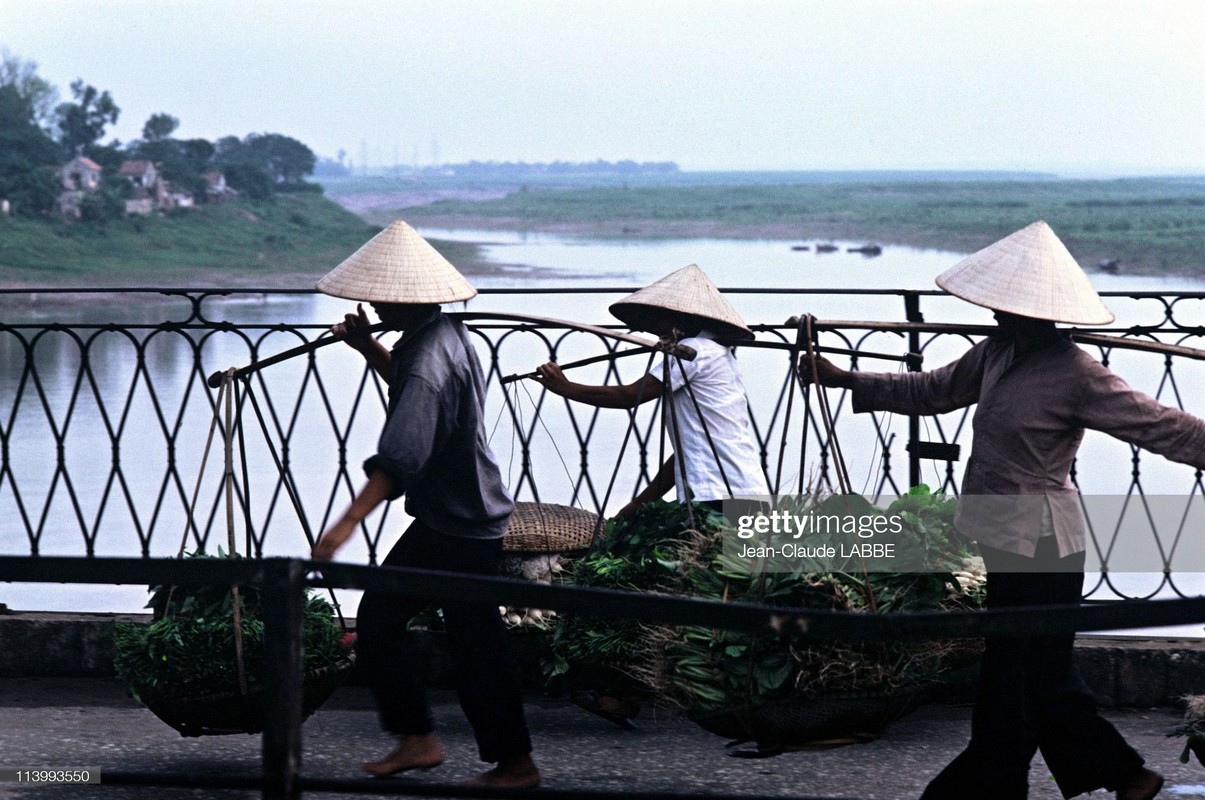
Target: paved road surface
{"x": 79, "y": 722}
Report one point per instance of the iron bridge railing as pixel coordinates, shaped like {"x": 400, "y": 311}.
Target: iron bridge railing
{"x": 105, "y": 412}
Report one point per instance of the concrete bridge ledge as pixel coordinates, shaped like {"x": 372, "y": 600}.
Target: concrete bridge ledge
{"x": 1123, "y": 671}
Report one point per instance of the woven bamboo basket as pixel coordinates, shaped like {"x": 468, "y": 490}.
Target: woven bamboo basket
{"x": 549, "y": 528}
{"x": 800, "y": 721}
{"x": 231, "y": 712}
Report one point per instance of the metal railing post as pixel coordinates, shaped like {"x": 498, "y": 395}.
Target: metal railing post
{"x": 284, "y": 601}
{"x": 912, "y": 313}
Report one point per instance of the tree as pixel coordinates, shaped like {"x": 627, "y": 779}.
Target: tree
{"x": 198, "y": 153}
{"x": 83, "y": 122}
{"x": 186, "y": 164}
{"x": 27, "y": 156}
{"x": 283, "y": 158}
{"x": 180, "y": 162}
{"x": 226, "y": 150}
{"x": 249, "y": 179}
{"x": 104, "y": 205}
{"x": 109, "y": 156}
{"x": 159, "y": 127}
{"x": 39, "y": 93}
{"x": 286, "y": 158}
{"x": 19, "y": 132}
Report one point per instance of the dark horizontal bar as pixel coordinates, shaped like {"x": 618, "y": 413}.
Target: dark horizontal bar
{"x": 207, "y": 779}
{"x": 672, "y": 610}
{"x": 370, "y": 786}
{"x": 938, "y": 451}
{"x": 210, "y": 779}
{"x": 217, "y": 292}
{"x": 131, "y": 571}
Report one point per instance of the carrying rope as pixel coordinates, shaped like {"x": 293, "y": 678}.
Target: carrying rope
{"x": 235, "y": 597}
{"x": 826, "y": 414}
{"x": 792, "y": 382}
{"x": 225, "y": 414}
{"x": 627, "y": 437}
{"x": 548, "y": 548}
{"x": 830, "y": 428}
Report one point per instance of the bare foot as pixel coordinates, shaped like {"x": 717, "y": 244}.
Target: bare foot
{"x": 1143, "y": 786}
{"x": 518, "y": 772}
{"x": 415, "y": 752}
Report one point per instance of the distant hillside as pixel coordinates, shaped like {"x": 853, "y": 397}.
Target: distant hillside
{"x": 286, "y": 241}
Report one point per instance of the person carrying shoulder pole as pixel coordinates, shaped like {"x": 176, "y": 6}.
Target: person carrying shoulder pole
{"x": 709, "y": 418}
{"x": 433, "y": 450}
{"x": 1036, "y": 392}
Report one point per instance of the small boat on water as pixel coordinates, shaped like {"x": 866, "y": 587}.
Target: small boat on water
{"x": 799, "y": 247}
{"x": 826, "y": 247}
{"x": 1109, "y": 265}
{"x": 868, "y": 249}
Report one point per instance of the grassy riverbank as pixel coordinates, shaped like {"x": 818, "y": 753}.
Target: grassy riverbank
{"x": 286, "y": 242}
{"x": 1148, "y": 225}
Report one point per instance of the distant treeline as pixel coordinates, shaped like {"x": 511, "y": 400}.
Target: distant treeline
{"x": 522, "y": 168}
{"x": 328, "y": 168}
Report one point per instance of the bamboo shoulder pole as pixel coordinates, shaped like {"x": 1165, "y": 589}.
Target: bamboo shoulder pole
{"x": 1084, "y": 337}
{"x": 215, "y": 380}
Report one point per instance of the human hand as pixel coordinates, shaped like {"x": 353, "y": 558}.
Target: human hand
{"x": 553, "y": 379}
{"x": 628, "y": 511}
{"x": 354, "y": 329}
{"x": 826, "y": 373}
{"x": 330, "y": 542}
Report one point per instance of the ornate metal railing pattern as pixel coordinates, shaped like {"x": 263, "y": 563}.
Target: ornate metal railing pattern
{"x": 104, "y": 418}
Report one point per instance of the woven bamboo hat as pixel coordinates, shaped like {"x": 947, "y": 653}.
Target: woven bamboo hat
{"x": 689, "y": 292}
{"x": 397, "y": 266}
{"x": 1029, "y": 273}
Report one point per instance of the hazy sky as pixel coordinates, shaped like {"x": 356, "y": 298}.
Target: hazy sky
{"x": 1084, "y": 86}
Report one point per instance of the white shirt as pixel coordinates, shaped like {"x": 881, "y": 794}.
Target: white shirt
{"x": 718, "y": 391}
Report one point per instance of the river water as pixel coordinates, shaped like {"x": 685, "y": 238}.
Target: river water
{"x": 528, "y": 261}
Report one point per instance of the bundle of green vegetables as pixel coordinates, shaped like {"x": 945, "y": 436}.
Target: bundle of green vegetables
{"x": 1193, "y": 728}
{"x": 188, "y": 649}
{"x": 700, "y": 670}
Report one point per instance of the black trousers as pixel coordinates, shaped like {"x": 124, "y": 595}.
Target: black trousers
{"x": 1031, "y": 696}
{"x": 487, "y": 679}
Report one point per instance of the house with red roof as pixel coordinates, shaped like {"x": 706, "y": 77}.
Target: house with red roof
{"x": 151, "y": 192}
{"x": 80, "y": 174}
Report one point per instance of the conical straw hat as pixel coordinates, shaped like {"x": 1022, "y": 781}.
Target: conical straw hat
{"x": 1029, "y": 273}
{"x": 688, "y": 291}
{"x": 397, "y": 266}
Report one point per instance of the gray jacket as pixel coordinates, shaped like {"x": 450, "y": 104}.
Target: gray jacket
{"x": 433, "y": 445}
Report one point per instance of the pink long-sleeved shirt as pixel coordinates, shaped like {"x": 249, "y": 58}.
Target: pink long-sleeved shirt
{"x": 1031, "y": 416}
